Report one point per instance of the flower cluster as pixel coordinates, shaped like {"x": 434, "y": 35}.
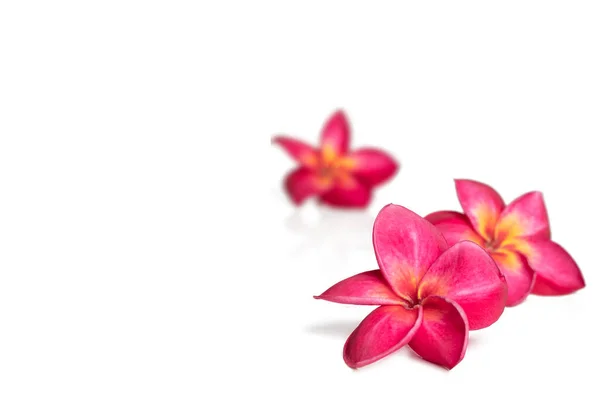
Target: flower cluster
{"x": 439, "y": 276}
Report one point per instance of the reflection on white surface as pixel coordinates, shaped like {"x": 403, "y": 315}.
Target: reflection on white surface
{"x": 337, "y": 329}
{"x": 335, "y": 232}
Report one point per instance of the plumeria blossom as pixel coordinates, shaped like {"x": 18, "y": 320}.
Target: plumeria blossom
{"x": 336, "y": 176}
{"x": 429, "y": 295}
{"x": 517, "y": 236}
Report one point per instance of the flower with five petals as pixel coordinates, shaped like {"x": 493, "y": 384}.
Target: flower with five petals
{"x": 516, "y": 235}
{"x": 429, "y": 295}
{"x": 336, "y": 176}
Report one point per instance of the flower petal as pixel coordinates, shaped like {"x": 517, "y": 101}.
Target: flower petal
{"x": 557, "y": 272}
{"x": 305, "y": 154}
{"x": 366, "y": 288}
{"x": 520, "y": 278}
{"x": 481, "y": 204}
{"x": 302, "y": 183}
{"x": 455, "y": 227}
{"x": 405, "y": 246}
{"x": 382, "y": 332}
{"x": 372, "y": 166}
{"x": 444, "y": 333}
{"x": 348, "y": 192}
{"x": 335, "y": 136}
{"x": 524, "y": 217}
{"x": 468, "y": 275}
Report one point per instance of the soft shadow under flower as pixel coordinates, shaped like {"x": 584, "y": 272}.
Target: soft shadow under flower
{"x": 333, "y": 328}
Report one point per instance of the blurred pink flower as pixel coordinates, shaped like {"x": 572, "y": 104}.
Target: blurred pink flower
{"x": 336, "y": 176}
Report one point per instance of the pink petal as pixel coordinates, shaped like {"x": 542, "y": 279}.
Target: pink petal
{"x": 349, "y": 193}
{"x": 557, "y": 272}
{"x": 544, "y": 287}
{"x": 455, "y": 227}
{"x": 301, "y": 184}
{"x": 468, "y": 275}
{"x": 382, "y": 332}
{"x": 520, "y": 278}
{"x": 444, "y": 333}
{"x": 481, "y": 204}
{"x": 305, "y": 154}
{"x": 366, "y": 288}
{"x": 335, "y": 136}
{"x": 372, "y": 166}
{"x": 525, "y": 216}
{"x": 405, "y": 246}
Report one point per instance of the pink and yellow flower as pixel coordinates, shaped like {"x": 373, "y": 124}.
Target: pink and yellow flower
{"x": 336, "y": 176}
{"x": 429, "y": 295}
{"x": 516, "y": 235}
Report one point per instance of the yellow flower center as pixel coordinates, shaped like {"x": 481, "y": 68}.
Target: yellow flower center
{"x": 333, "y": 168}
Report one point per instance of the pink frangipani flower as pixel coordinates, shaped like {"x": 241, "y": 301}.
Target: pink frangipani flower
{"x": 429, "y": 295}
{"x": 516, "y": 235}
{"x": 336, "y": 176}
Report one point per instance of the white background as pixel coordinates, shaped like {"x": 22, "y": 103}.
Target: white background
{"x": 148, "y": 252}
